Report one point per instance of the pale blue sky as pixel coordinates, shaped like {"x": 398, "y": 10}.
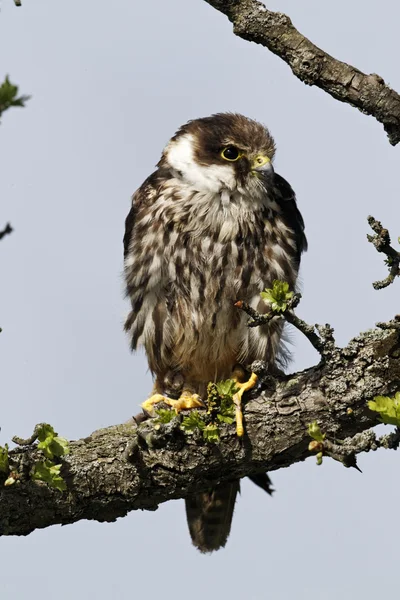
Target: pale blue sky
{"x": 111, "y": 82}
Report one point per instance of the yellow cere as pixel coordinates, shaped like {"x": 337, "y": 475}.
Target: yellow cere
{"x": 260, "y": 161}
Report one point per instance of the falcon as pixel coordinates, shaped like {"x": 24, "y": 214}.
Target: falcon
{"x": 212, "y": 225}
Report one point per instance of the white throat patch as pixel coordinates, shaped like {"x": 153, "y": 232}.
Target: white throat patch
{"x": 213, "y": 178}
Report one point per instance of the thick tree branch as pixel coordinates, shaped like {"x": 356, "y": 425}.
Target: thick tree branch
{"x": 254, "y": 22}
{"x": 132, "y": 466}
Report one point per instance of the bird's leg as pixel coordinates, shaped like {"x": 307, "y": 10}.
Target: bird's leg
{"x": 187, "y": 399}
{"x": 239, "y": 375}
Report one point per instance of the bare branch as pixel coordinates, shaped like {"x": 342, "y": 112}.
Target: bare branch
{"x": 134, "y": 466}
{"x": 381, "y": 241}
{"x": 345, "y": 451}
{"x": 254, "y": 22}
{"x": 324, "y": 343}
{"x": 6, "y": 231}
{"x": 394, "y": 324}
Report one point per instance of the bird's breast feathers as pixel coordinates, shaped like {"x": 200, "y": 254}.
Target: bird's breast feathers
{"x": 192, "y": 255}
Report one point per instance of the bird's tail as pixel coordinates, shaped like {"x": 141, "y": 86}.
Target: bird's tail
{"x": 209, "y": 516}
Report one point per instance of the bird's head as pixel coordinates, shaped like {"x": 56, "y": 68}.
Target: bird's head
{"x": 223, "y": 152}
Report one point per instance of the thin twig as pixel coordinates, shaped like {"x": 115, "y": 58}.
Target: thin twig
{"x": 382, "y": 242}
{"x": 6, "y": 231}
{"x": 324, "y": 343}
{"x": 345, "y": 451}
{"x": 30, "y": 440}
{"x": 394, "y": 324}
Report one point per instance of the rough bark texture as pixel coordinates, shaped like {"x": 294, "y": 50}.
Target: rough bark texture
{"x": 131, "y": 466}
{"x": 254, "y": 22}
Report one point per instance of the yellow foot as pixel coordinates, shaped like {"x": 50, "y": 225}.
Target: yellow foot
{"x": 237, "y": 399}
{"x": 186, "y": 401}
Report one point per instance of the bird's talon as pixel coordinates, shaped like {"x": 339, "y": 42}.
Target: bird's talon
{"x": 148, "y": 405}
{"x": 186, "y": 401}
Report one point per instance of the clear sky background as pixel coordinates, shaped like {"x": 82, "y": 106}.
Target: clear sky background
{"x": 110, "y": 84}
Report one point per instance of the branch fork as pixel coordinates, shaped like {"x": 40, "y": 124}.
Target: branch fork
{"x": 323, "y": 341}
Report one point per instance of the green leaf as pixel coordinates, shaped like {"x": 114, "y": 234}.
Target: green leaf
{"x": 59, "y": 446}
{"x": 315, "y": 432}
{"x": 211, "y": 433}
{"x": 8, "y": 96}
{"x": 227, "y": 388}
{"x": 49, "y": 473}
{"x": 164, "y": 415}
{"x": 388, "y": 408}
{"x": 50, "y": 443}
{"x": 192, "y": 422}
{"x": 45, "y": 431}
{"x": 225, "y": 418}
{"x": 277, "y": 296}
{"x": 4, "y": 467}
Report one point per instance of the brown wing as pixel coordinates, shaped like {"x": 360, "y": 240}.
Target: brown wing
{"x": 140, "y": 199}
{"x": 136, "y": 273}
{"x": 286, "y": 198}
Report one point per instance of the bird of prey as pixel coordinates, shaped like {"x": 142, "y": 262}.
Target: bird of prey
{"x": 212, "y": 225}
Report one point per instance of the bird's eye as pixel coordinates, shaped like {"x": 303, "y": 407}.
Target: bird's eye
{"x": 230, "y": 153}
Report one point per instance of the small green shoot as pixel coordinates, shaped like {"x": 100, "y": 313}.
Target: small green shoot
{"x": 388, "y": 408}
{"x": 4, "y": 467}
{"x": 315, "y": 432}
{"x": 8, "y": 96}
{"x": 227, "y": 388}
{"x": 278, "y": 296}
{"x": 164, "y": 415}
{"x": 222, "y": 394}
{"x": 225, "y": 418}
{"x": 317, "y": 445}
{"x": 211, "y": 433}
{"x": 220, "y": 408}
{"x": 49, "y": 473}
{"x": 10, "y": 481}
{"x": 50, "y": 443}
{"x": 193, "y": 421}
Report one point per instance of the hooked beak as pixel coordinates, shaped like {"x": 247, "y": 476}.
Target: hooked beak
{"x": 262, "y": 165}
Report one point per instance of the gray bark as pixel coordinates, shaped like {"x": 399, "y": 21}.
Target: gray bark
{"x": 126, "y": 467}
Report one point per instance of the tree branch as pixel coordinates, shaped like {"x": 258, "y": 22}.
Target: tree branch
{"x": 324, "y": 343}
{"x": 252, "y": 21}
{"x": 6, "y": 231}
{"x": 382, "y": 242}
{"x": 134, "y": 466}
